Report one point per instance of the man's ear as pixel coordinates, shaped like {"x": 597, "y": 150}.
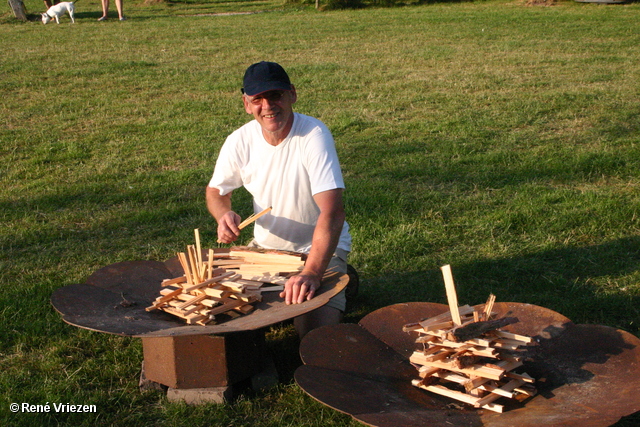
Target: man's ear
{"x": 247, "y": 105}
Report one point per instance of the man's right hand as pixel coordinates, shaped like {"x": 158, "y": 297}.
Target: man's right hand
{"x": 228, "y": 230}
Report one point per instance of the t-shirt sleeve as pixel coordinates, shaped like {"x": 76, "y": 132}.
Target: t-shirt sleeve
{"x": 226, "y": 174}
{"x": 322, "y": 162}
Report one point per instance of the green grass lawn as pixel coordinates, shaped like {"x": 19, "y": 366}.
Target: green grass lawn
{"x": 499, "y": 138}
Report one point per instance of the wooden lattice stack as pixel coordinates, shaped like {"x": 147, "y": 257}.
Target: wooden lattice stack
{"x": 223, "y": 283}
{"x": 463, "y": 354}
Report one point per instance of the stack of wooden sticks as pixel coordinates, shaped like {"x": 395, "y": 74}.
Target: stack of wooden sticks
{"x": 224, "y": 283}
{"x": 463, "y": 354}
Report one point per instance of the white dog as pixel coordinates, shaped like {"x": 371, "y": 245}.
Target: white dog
{"x": 58, "y": 10}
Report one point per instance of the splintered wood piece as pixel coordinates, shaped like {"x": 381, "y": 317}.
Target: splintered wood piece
{"x": 193, "y": 309}
{"x": 425, "y": 339}
{"x": 216, "y": 293}
{"x": 476, "y": 370}
{"x": 488, "y": 307}
{"x": 192, "y": 301}
{"x": 437, "y": 326}
{"x": 506, "y": 344}
{"x": 444, "y": 317}
{"x": 265, "y": 278}
{"x": 508, "y": 335}
{"x": 263, "y": 257}
{"x": 452, "y": 296}
{"x": 159, "y": 301}
{"x": 526, "y": 389}
{"x": 245, "y": 309}
{"x": 174, "y": 281}
{"x": 524, "y": 377}
{"x": 477, "y": 329}
{"x": 494, "y": 395}
{"x": 209, "y": 282}
{"x": 427, "y": 371}
{"x": 230, "y": 305}
{"x": 474, "y": 382}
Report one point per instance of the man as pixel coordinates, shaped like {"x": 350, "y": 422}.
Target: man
{"x": 287, "y": 161}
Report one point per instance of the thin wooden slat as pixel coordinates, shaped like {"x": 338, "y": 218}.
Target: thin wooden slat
{"x": 493, "y": 396}
{"x": 192, "y": 301}
{"x": 198, "y": 250}
{"x": 174, "y": 281}
{"x": 452, "y": 297}
{"x": 523, "y": 338}
{"x": 193, "y": 309}
{"x": 210, "y": 269}
{"x": 253, "y": 217}
{"x": 463, "y": 397}
{"x": 193, "y": 263}
{"x": 209, "y": 282}
{"x": 476, "y": 370}
{"x": 182, "y": 257}
{"x": 164, "y": 299}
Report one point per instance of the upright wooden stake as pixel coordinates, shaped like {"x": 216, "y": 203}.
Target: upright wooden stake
{"x": 185, "y": 266}
{"x": 210, "y": 269}
{"x": 452, "y": 297}
{"x": 198, "y": 249}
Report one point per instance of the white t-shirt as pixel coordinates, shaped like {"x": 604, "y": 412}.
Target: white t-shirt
{"x": 285, "y": 177}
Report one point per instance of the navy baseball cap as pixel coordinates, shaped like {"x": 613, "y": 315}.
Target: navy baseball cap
{"x": 264, "y": 76}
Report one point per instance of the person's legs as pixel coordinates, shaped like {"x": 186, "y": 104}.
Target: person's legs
{"x": 119, "y": 7}
{"x": 330, "y": 313}
{"x": 105, "y": 10}
{"x": 321, "y": 316}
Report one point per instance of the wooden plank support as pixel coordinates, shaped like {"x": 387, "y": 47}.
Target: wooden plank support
{"x": 463, "y": 397}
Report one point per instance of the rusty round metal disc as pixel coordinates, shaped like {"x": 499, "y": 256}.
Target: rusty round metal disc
{"x": 114, "y": 299}
{"x": 587, "y": 375}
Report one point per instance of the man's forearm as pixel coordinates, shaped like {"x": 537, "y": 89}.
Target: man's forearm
{"x": 325, "y": 240}
{"x": 216, "y": 204}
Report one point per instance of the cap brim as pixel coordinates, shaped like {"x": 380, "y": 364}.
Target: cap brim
{"x": 265, "y": 87}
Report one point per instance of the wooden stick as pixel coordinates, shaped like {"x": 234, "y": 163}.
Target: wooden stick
{"x": 198, "y": 250}
{"x": 161, "y": 300}
{"x": 488, "y": 307}
{"x": 452, "y": 297}
{"x": 191, "y": 301}
{"x": 209, "y": 282}
{"x": 193, "y": 262}
{"x": 185, "y": 266}
{"x": 210, "y": 267}
{"x": 253, "y": 217}
{"x": 176, "y": 280}
{"x": 250, "y": 219}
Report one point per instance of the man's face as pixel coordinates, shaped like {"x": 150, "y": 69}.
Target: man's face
{"x": 273, "y": 110}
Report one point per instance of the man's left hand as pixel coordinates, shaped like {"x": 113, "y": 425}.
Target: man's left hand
{"x": 300, "y": 288}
